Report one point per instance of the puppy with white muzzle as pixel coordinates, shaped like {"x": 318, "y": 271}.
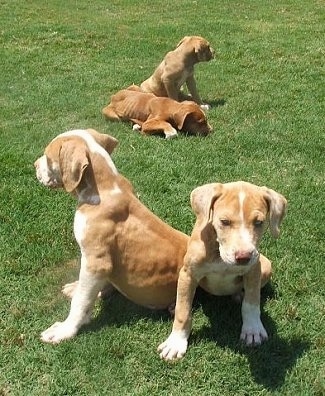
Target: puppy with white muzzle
{"x": 223, "y": 258}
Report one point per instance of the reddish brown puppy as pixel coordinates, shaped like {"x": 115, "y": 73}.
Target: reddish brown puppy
{"x": 152, "y": 115}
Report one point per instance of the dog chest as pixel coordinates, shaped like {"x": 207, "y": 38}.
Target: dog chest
{"x": 220, "y": 278}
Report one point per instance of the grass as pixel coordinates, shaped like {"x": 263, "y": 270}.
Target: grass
{"x": 60, "y": 62}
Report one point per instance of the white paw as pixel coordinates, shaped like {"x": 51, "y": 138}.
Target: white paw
{"x": 69, "y": 289}
{"x": 205, "y": 107}
{"x": 174, "y": 347}
{"x": 171, "y": 134}
{"x": 58, "y": 332}
{"x": 136, "y": 127}
{"x": 254, "y": 334}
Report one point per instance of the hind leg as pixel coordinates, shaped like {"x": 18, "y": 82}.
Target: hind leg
{"x": 69, "y": 289}
{"x": 110, "y": 113}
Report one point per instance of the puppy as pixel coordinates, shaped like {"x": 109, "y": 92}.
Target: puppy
{"x": 177, "y": 68}
{"x": 223, "y": 257}
{"x": 122, "y": 243}
{"x": 155, "y": 115}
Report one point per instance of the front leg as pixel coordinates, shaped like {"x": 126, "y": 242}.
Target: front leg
{"x": 175, "y": 345}
{"x": 82, "y": 303}
{"x": 156, "y": 125}
{"x": 253, "y": 331}
{"x": 170, "y": 84}
{"x": 191, "y": 86}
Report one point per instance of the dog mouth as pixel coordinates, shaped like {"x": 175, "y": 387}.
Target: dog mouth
{"x": 47, "y": 181}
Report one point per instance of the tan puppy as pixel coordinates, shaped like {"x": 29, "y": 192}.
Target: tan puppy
{"x": 223, "y": 257}
{"x": 177, "y": 68}
{"x": 122, "y": 243}
{"x": 152, "y": 115}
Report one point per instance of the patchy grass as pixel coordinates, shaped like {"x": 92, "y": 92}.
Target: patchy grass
{"x": 60, "y": 62}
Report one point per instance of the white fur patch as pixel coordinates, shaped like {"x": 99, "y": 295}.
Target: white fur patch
{"x": 45, "y": 175}
{"x": 115, "y": 190}
{"x": 171, "y": 134}
{"x": 93, "y": 146}
{"x": 241, "y": 198}
{"x": 245, "y": 234}
{"x": 79, "y": 226}
{"x": 253, "y": 331}
{"x": 175, "y": 346}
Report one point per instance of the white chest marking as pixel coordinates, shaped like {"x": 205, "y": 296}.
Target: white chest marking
{"x": 79, "y": 227}
{"x": 92, "y": 145}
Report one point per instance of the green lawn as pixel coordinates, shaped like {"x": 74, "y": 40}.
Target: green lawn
{"x": 60, "y": 62}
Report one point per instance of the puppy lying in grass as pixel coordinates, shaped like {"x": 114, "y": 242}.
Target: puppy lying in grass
{"x": 156, "y": 115}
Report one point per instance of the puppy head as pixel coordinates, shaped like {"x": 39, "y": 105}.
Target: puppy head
{"x": 66, "y": 158}
{"x": 191, "y": 118}
{"x": 238, "y": 212}
{"x": 200, "y": 47}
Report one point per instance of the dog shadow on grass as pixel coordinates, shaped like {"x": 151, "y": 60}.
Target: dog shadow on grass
{"x": 270, "y": 362}
{"x": 216, "y": 102}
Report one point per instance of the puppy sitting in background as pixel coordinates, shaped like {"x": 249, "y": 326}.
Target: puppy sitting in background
{"x": 177, "y": 68}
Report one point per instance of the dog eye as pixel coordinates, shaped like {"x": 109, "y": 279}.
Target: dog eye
{"x": 258, "y": 223}
{"x": 225, "y": 222}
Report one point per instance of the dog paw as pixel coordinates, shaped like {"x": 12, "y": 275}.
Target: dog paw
{"x": 69, "y": 289}
{"x": 205, "y": 107}
{"x": 253, "y": 335}
{"x": 58, "y": 332}
{"x": 136, "y": 127}
{"x": 171, "y": 134}
{"x": 174, "y": 347}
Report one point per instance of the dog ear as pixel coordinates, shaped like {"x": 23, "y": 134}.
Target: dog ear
{"x": 277, "y": 205}
{"x": 180, "y": 116}
{"x": 202, "y": 50}
{"x": 108, "y": 142}
{"x": 202, "y": 200}
{"x": 73, "y": 160}
{"x": 186, "y": 108}
{"x": 182, "y": 41}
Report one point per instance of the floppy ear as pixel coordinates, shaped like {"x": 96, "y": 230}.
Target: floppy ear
{"x": 277, "y": 208}
{"x": 73, "y": 161}
{"x": 182, "y": 41}
{"x": 202, "y": 200}
{"x": 108, "y": 142}
{"x": 198, "y": 47}
{"x": 185, "y": 109}
{"x": 180, "y": 116}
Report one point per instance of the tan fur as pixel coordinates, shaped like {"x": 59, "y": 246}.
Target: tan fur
{"x": 177, "y": 69}
{"x": 222, "y": 255}
{"x": 122, "y": 242}
{"x": 157, "y": 115}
